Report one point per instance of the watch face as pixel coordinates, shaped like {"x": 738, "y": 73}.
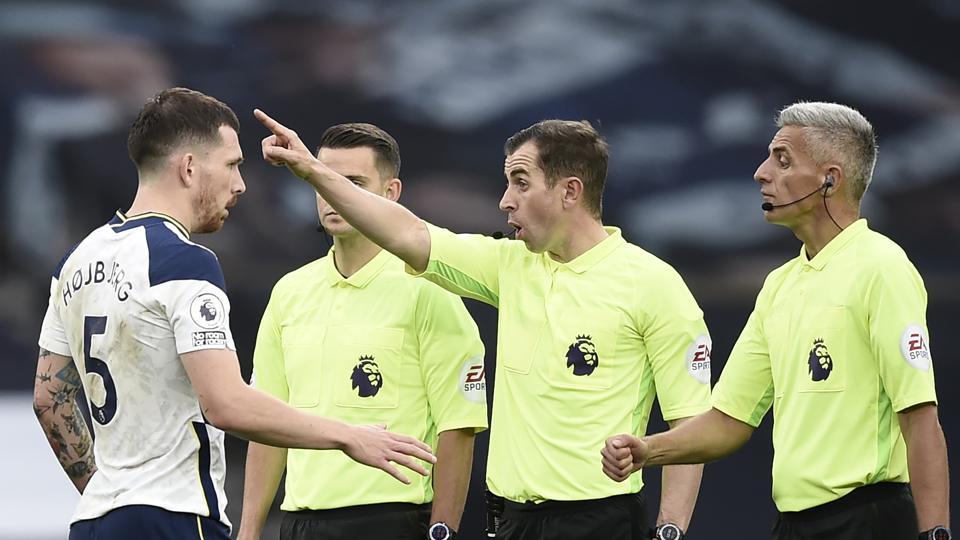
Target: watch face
{"x": 668, "y": 531}
{"x": 941, "y": 534}
{"x": 439, "y": 531}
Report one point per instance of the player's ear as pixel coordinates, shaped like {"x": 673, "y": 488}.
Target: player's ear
{"x": 392, "y": 189}
{"x": 186, "y": 169}
{"x": 572, "y": 190}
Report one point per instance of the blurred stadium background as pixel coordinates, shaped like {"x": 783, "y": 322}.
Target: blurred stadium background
{"x": 685, "y": 91}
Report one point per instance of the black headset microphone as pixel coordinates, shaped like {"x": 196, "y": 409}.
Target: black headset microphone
{"x": 827, "y": 184}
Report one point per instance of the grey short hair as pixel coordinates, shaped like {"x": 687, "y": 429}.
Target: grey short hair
{"x": 836, "y": 132}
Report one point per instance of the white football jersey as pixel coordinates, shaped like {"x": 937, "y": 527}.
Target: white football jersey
{"x": 125, "y": 303}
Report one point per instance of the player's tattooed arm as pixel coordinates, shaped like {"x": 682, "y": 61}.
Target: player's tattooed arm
{"x": 55, "y": 404}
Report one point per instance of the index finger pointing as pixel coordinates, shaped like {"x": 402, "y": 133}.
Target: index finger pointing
{"x": 270, "y": 123}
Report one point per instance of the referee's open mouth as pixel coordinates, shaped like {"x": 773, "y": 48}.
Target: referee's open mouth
{"x": 517, "y": 229}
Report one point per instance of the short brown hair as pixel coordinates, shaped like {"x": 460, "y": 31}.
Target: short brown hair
{"x": 360, "y": 135}
{"x": 175, "y": 116}
{"x": 569, "y": 148}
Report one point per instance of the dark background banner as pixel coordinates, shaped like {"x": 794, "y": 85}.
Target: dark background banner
{"x": 685, "y": 92}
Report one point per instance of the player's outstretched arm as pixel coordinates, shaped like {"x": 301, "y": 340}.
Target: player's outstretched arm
{"x": 386, "y": 223}
{"x": 54, "y": 402}
{"x": 231, "y": 405}
{"x": 707, "y": 437}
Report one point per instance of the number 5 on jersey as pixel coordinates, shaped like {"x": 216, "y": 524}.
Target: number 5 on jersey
{"x": 93, "y": 326}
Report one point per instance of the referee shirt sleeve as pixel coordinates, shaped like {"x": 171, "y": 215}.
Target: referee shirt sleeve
{"x": 465, "y": 264}
{"x": 745, "y": 390}
{"x": 674, "y": 330}
{"x": 897, "y": 328}
{"x": 269, "y": 373}
{"x": 451, "y": 361}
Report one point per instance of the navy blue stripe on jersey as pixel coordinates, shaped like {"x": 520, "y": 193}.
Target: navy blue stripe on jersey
{"x": 172, "y": 258}
{"x": 206, "y": 481}
{"x": 59, "y": 268}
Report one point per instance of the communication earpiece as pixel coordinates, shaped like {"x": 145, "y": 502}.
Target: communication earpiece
{"x": 828, "y": 183}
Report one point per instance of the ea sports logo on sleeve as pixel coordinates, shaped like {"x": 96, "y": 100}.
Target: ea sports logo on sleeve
{"x": 207, "y": 311}
{"x": 915, "y": 347}
{"x": 698, "y": 359}
{"x": 473, "y": 380}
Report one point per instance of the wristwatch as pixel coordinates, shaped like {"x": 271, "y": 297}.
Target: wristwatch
{"x": 937, "y": 533}
{"x": 441, "y": 531}
{"x": 668, "y": 531}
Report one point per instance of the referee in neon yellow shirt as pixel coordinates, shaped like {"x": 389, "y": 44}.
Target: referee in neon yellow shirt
{"x": 591, "y": 330}
{"x": 352, "y": 336}
{"x": 837, "y": 344}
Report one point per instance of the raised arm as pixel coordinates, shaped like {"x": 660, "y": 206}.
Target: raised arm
{"x": 228, "y": 403}
{"x": 55, "y": 404}
{"x": 386, "y": 223}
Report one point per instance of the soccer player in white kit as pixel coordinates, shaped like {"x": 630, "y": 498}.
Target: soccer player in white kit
{"x": 139, "y": 317}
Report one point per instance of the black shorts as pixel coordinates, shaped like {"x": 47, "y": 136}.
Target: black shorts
{"x": 621, "y": 517}
{"x": 148, "y": 523}
{"x": 876, "y": 512}
{"x": 366, "y": 522}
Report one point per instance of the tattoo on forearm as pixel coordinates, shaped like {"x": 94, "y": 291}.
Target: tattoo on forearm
{"x": 58, "y": 443}
{"x": 61, "y": 396}
{"x": 81, "y": 447}
{"x": 74, "y": 422}
{"x": 71, "y": 442}
{"x": 69, "y": 375}
{"x": 40, "y": 410}
{"x": 78, "y": 469}
{"x": 77, "y": 427}
{"x": 44, "y": 352}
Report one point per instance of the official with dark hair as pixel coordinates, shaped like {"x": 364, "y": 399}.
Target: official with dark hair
{"x": 591, "y": 330}
{"x": 351, "y": 336}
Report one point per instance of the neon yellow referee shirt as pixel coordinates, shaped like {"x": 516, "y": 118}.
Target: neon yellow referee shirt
{"x": 837, "y": 345}
{"x": 582, "y": 349}
{"x": 379, "y": 347}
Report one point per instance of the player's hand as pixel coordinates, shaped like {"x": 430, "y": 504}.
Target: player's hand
{"x": 622, "y": 455}
{"x": 285, "y": 149}
{"x": 377, "y": 447}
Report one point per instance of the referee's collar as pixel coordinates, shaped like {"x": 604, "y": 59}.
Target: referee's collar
{"x": 588, "y": 259}
{"x": 834, "y": 246}
{"x": 362, "y": 277}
